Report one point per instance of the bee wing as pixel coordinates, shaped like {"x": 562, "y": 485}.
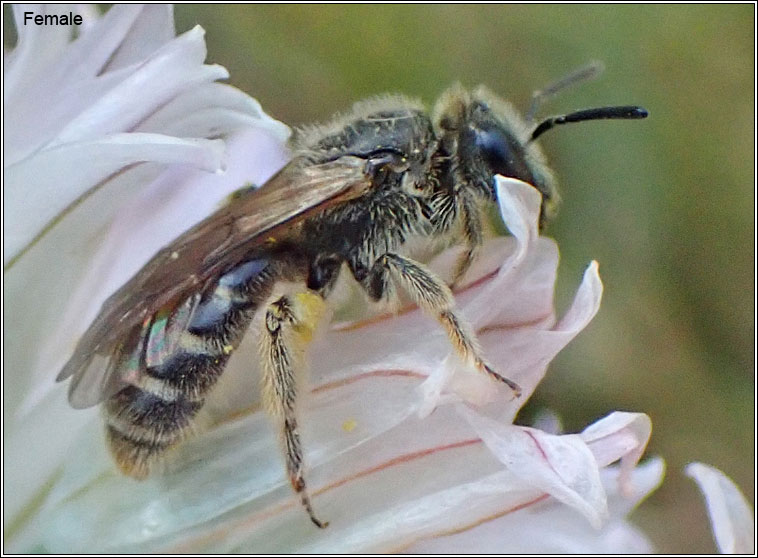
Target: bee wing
{"x": 197, "y": 257}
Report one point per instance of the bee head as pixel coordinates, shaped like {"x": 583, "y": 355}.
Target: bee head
{"x": 485, "y": 136}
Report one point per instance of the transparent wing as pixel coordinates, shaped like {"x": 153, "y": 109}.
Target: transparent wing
{"x": 105, "y": 356}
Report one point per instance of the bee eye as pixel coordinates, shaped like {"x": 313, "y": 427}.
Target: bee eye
{"x": 502, "y": 153}
{"x": 493, "y": 146}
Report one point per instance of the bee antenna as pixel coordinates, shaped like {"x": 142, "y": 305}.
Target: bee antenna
{"x": 602, "y": 113}
{"x": 585, "y": 73}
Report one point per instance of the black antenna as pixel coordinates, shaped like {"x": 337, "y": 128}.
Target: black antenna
{"x": 585, "y": 73}
{"x": 602, "y": 113}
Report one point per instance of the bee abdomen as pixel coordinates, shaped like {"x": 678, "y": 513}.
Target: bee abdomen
{"x": 190, "y": 371}
{"x": 186, "y": 348}
{"x": 142, "y": 425}
{"x": 182, "y": 352}
{"x": 147, "y": 419}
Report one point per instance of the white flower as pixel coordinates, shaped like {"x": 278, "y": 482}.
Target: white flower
{"x": 107, "y": 158}
{"x": 730, "y": 514}
{"x": 386, "y": 477}
{"x": 94, "y": 126}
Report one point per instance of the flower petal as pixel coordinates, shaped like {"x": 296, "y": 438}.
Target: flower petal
{"x": 519, "y": 204}
{"x": 731, "y": 518}
{"x": 152, "y": 28}
{"x": 87, "y": 103}
{"x": 543, "y": 528}
{"x": 227, "y": 492}
{"x": 200, "y": 112}
{"x": 175, "y": 66}
{"x": 34, "y": 189}
{"x": 73, "y": 81}
{"x": 523, "y": 353}
{"x": 562, "y": 466}
{"x": 35, "y": 450}
{"x": 37, "y": 48}
{"x": 620, "y": 433}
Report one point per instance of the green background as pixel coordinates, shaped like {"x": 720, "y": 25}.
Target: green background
{"x": 666, "y": 205}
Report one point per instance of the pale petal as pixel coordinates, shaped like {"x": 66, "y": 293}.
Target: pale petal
{"x": 124, "y": 35}
{"x": 486, "y": 294}
{"x": 38, "y": 447}
{"x": 226, "y": 491}
{"x": 66, "y": 86}
{"x": 34, "y": 186}
{"x": 523, "y": 353}
{"x": 562, "y": 466}
{"x": 233, "y": 465}
{"x": 519, "y": 204}
{"x": 731, "y": 517}
{"x": 153, "y": 27}
{"x": 174, "y": 67}
{"x": 30, "y": 129}
{"x": 620, "y": 433}
{"x": 586, "y": 302}
{"x": 83, "y": 105}
{"x": 197, "y": 112}
{"x": 84, "y": 58}
{"x": 548, "y": 528}
{"x": 37, "y": 48}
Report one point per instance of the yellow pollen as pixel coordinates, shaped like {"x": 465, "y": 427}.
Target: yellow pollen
{"x": 349, "y": 425}
{"x": 311, "y": 309}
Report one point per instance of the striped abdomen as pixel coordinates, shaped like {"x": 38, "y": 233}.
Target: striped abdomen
{"x": 180, "y": 354}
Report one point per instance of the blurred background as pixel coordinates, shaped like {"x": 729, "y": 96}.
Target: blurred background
{"x": 666, "y": 205}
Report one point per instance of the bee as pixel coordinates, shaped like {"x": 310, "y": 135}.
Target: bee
{"x": 355, "y": 191}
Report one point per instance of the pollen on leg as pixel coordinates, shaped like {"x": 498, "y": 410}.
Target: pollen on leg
{"x": 310, "y": 309}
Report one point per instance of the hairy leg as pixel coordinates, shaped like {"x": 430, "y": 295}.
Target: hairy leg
{"x": 289, "y": 325}
{"x": 435, "y": 298}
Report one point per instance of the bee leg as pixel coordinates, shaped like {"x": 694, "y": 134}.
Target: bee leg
{"x": 472, "y": 233}
{"x": 436, "y": 298}
{"x": 289, "y": 324}
{"x": 323, "y": 273}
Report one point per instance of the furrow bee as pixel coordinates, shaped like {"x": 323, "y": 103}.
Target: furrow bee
{"x": 356, "y": 189}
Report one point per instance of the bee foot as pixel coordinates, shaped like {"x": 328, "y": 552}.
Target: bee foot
{"x": 515, "y": 388}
